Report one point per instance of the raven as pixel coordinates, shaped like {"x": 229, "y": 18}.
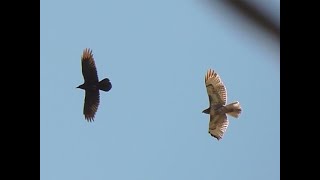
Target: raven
{"x": 91, "y": 85}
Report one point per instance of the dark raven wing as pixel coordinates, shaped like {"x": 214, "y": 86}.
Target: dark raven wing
{"x": 89, "y": 70}
{"x": 91, "y": 103}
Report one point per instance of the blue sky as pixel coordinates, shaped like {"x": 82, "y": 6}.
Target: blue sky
{"x": 150, "y": 125}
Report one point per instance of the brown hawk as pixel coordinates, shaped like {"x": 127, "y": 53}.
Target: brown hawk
{"x": 218, "y": 109}
{"x": 91, "y": 85}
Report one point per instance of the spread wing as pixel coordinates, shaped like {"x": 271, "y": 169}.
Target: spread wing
{"x": 216, "y": 90}
{"x": 89, "y": 70}
{"x": 91, "y": 103}
{"x": 218, "y": 125}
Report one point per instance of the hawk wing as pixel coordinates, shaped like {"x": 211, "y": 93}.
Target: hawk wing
{"x": 91, "y": 103}
{"x": 89, "y": 70}
{"x": 216, "y": 90}
{"x": 218, "y": 125}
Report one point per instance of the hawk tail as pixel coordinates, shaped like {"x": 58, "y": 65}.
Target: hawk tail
{"x": 105, "y": 85}
{"x": 233, "y": 109}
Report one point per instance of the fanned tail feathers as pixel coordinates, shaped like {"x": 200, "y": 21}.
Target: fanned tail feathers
{"x": 234, "y": 109}
{"x": 105, "y": 85}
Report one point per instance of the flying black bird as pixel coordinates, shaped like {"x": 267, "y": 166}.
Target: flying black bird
{"x": 91, "y": 85}
{"x": 218, "y": 109}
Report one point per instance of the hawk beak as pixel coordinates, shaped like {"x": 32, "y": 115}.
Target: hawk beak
{"x": 206, "y": 111}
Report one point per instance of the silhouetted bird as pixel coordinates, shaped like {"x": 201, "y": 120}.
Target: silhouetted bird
{"x": 91, "y": 85}
{"x": 218, "y": 109}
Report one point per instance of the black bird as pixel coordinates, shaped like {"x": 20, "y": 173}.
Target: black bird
{"x": 91, "y": 85}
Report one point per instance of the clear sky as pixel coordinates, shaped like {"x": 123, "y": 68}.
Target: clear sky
{"x": 149, "y": 126}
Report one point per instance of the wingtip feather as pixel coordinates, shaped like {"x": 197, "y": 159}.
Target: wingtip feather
{"x": 87, "y": 53}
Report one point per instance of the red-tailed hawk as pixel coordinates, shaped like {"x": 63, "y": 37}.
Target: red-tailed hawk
{"x": 218, "y": 109}
{"x": 91, "y": 85}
